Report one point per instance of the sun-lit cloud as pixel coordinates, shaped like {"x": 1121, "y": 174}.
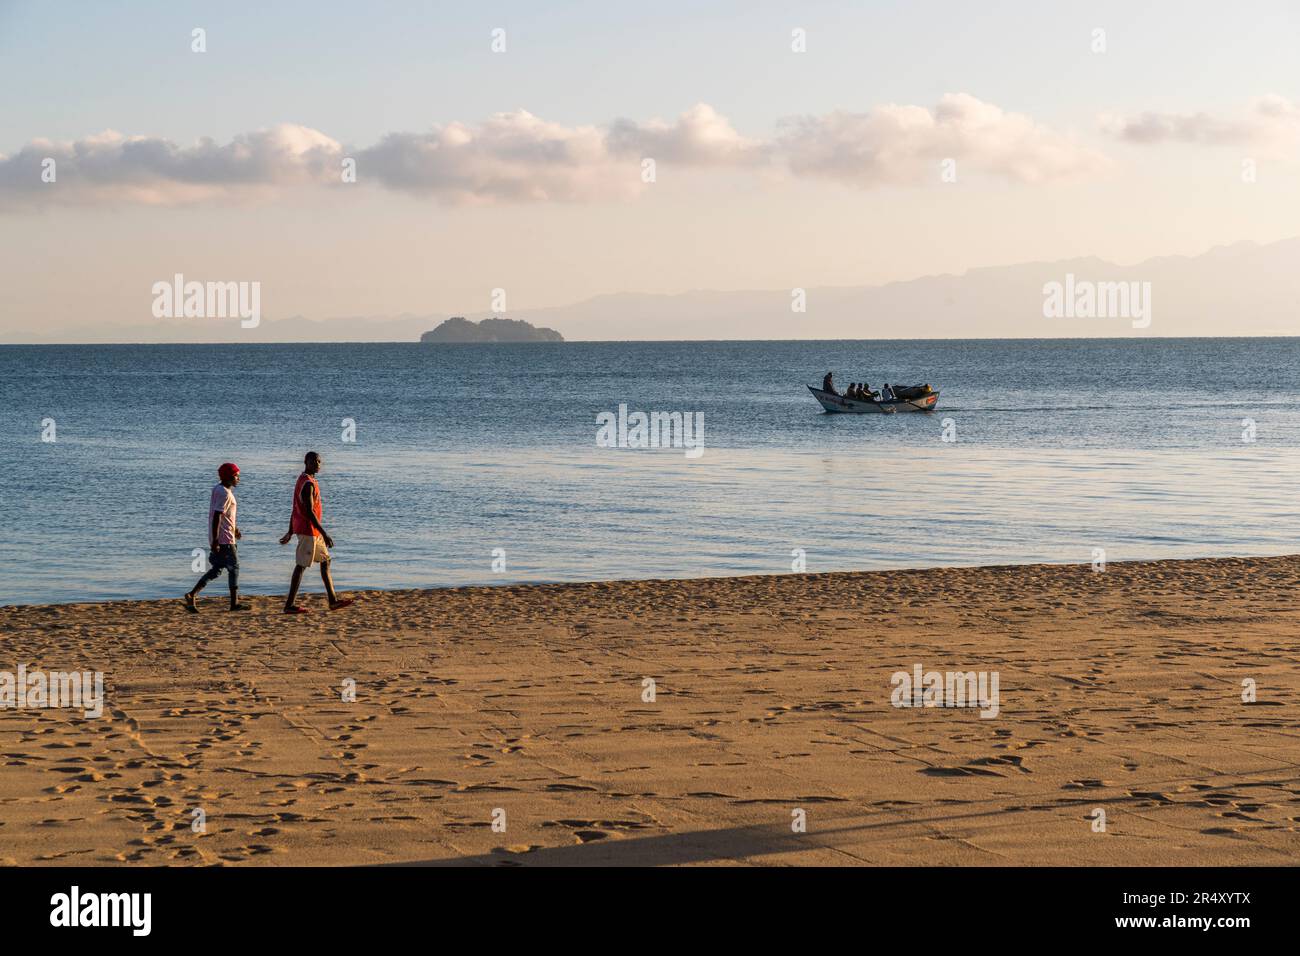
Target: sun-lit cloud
{"x": 1270, "y": 123}
{"x": 110, "y": 167}
{"x": 512, "y": 157}
{"x": 700, "y": 137}
{"x": 903, "y": 144}
{"x": 516, "y": 157}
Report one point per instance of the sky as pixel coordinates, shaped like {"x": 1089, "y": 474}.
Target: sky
{"x": 904, "y": 139}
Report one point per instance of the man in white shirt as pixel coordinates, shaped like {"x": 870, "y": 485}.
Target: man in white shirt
{"x": 223, "y": 532}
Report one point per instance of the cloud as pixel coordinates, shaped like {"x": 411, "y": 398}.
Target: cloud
{"x": 903, "y": 144}
{"x": 512, "y": 157}
{"x": 1270, "y": 123}
{"x": 518, "y": 157}
{"x": 700, "y": 137}
{"x": 141, "y": 169}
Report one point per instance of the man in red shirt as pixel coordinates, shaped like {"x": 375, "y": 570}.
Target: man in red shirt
{"x": 313, "y": 542}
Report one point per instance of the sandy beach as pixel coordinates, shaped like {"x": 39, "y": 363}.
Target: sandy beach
{"x": 528, "y": 706}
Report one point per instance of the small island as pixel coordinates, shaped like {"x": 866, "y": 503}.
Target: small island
{"x": 460, "y": 329}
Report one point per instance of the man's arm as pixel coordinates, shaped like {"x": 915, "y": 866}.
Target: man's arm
{"x": 212, "y": 536}
{"x": 288, "y": 534}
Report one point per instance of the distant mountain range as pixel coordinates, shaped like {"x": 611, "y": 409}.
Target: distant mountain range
{"x": 1241, "y": 289}
{"x": 460, "y": 329}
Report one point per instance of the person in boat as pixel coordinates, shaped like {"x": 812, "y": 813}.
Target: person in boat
{"x": 886, "y": 393}
{"x": 828, "y": 385}
{"x": 852, "y": 391}
{"x": 867, "y": 394}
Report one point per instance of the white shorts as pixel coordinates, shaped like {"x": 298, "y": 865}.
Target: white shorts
{"x": 311, "y": 550}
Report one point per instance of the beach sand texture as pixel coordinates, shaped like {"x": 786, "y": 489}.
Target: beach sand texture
{"x": 1119, "y": 690}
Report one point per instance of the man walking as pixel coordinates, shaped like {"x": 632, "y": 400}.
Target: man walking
{"x": 223, "y": 532}
{"x": 313, "y": 542}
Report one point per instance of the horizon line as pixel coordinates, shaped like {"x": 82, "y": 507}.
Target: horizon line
{"x": 965, "y": 338}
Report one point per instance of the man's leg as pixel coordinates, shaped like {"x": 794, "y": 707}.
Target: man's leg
{"x": 334, "y": 602}
{"x": 329, "y": 583}
{"x": 209, "y": 575}
{"x": 294, "y": 582}
{"x": 232, "y": 569}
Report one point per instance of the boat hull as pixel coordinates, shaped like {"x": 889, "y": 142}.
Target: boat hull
{"x": 839, "y": 404}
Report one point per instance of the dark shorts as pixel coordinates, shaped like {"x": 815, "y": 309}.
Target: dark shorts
{"x": 225, "y": 558}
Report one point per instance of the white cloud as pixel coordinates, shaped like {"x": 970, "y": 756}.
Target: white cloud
{"x": 700, "y": 137}
{"x": 143, "y": 169}
{"x": 903, "y": 144}
{"x": 513, "y": 157}
{"x": 518, "y": 157}
{"x": 1270, "y": 123}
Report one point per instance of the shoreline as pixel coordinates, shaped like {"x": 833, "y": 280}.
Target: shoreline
{"x": 1120, "y": 691}
{"x": 215, "y": 595}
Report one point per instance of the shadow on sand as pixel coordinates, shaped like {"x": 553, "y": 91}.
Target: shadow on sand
{"x": 699, "y": 846}
{"x": 739, "y": 844}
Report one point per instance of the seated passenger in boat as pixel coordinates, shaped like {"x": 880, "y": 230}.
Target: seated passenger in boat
{"x": 886, "y": 393}
{"x": 867, "y": 394}
{"x": 828, "y": 385}
{"x": 852, "y": 392}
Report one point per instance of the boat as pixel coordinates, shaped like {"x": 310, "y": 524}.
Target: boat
{"x": 907, "y": 398}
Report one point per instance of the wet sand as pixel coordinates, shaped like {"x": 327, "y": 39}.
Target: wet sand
{"x": 1119, "y": 691}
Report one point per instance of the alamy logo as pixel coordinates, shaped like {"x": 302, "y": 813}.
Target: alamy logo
{"x": 655, "y": 430}
{"x": 951, "y": 689}
{"x": 103, "y": 909}
{"x": 1083, "y": 299}
{"x": 84, "y": 689}
{"x": 208, "y": 300}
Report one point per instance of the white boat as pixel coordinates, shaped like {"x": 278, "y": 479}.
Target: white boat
{"x": 919, "y": 399}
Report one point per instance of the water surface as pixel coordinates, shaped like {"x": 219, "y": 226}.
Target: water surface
{"x": 1134, "y": 445}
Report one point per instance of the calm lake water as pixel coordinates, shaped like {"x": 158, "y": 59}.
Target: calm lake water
{"x": 1136, "y": 446}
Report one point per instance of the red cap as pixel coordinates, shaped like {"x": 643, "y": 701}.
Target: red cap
{"x": 227, "y": 471}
